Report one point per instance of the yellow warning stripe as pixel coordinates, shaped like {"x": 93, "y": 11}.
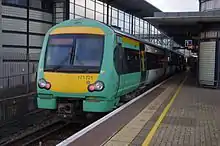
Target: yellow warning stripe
{"x": 162, "y": 116}
{"x": 77, "y": 30}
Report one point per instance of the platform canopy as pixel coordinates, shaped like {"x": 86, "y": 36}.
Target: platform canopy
{"x": 183, "y": 25}
{"x": 139, "y": 8}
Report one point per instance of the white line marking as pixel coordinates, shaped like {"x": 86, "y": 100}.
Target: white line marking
{"x": 103, "y": 119}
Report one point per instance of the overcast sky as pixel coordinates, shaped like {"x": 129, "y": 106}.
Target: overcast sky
{"x": 176, "y": 5}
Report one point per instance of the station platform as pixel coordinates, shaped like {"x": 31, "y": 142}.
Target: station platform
{"x": 175, "y": 113}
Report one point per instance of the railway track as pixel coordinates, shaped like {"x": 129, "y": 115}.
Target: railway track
{"x": 49, "y": 132}
{"x": 33, "y": 137}
{"x": 28, "y": 124}
{"x": 53, "y": 135}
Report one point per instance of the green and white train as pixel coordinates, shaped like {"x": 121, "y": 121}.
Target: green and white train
{"x": 88, "y": 66}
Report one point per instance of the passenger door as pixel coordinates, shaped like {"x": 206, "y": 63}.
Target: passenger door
{"x": 142, "y": 62}
{"x": 118, "y": 55}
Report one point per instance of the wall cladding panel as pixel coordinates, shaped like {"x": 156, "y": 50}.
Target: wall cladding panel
{"x": 37, "y": 27}
{"x": 36, "y": 40}
{"x": 14, "y": 53}
{"x": 14, "y": 11}
{"x": 14, "y": 24}
{"x": 14, "y": 39}
{"x": 38, "y": 15}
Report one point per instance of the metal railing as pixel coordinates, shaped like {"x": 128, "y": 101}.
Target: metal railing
{"x": 15, "y": 107}
{"x": 15, "y": 85}
{"x": 17, "y": 97}
{"x": 17, "y": 80}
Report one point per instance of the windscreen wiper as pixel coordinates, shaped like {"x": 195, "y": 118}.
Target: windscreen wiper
{"x": 80, "y": 61}
{"x": 61, "y": 63}
{"x": 70, "y": 54}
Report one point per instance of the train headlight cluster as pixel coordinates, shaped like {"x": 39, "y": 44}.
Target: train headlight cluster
{"x": 43, "y": 84}
{"x": 97, "y": 86}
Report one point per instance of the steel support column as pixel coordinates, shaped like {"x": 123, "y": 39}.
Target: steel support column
{"x": 27, "y": 49}
{"x": 132, "y": 24}
{"x": 107, "y": 14}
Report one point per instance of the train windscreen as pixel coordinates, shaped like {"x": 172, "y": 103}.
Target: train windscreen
{"x": 74, "y": 52}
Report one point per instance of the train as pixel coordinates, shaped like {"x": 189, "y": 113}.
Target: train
{"x": 87, "y": 66}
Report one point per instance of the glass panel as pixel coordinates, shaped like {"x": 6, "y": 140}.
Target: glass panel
{"x": 80, "y": 10}
{"x": 127, "y": 30}
{"x": 114, "y": 22}
{"x": 89, "y": 14}
{"x": 71, "y": 8}
{"x": 121, "y": 24}
{"x": 99, "y": 8}
{"x": 126, "y": 25}
{"x": 127, "y": 17}
{"x": 90, "y": 4}
{"x": 121, "y": 15}
{"x": 136, "y": 21}
{"x": 22, "y": 2}
{"x": 16, "y": 2}
{"x": 74, "y": 51}
{"x": 88, "y": 51}
{"x": 105, "y": 10}
{"x": 105, "y": 18}
{"x": 80, "y": 2}
{"x": 114, "y": 13}
{"x": 35, "y": 4}
{"x": 71, "y": 16}
{"x": 99, "y": 17}
{"x": 141, "y": 23}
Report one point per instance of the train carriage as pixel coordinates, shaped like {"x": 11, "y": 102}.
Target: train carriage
{"x": 88, "y": 66}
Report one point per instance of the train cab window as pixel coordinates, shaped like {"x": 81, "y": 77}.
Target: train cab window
{"x": 74, "y": 52}
{"x": 88, "y": 51}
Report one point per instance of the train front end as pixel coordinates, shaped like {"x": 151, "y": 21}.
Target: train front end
{"x": 71, "y": 75}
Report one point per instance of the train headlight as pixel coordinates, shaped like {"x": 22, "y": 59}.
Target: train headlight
{"x": 91, "y": 88}
{"x": 42, "y": 83}
{"x": 48, "y": 86}
{"x": 99, "y": 86}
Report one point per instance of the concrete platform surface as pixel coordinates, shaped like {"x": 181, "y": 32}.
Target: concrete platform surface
{"x": 193, "y": 119}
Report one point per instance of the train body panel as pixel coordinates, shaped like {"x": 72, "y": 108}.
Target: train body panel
{"x": 155, "y": 74}
{"x": 88, "y": 66}
{"x": 168, "y": 71}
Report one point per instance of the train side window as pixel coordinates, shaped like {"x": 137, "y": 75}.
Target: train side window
{"x": 132, "y": 59}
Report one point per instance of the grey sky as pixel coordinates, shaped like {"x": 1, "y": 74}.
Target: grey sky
{"x": 176, "y": 5}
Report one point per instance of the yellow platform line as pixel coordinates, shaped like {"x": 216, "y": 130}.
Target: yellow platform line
{"x": 162, "y": 116}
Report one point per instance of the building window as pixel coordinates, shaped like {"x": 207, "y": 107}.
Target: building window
{"x": 45, "y": 5}
{"x": 15, "y": 2}
{"x": 95, "y": 9}
{"x": 35, "y": 4}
